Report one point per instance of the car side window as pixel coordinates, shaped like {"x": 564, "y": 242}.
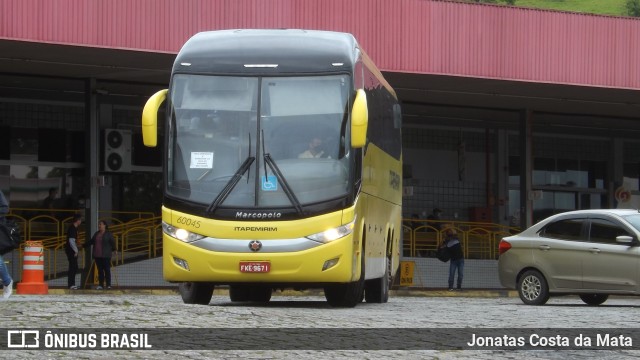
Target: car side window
{"x": 566, "y": 229}
{"x": 605, "y": 231}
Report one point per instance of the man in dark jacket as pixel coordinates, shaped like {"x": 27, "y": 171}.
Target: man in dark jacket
{"x": 452, "y": 242}
{"x": 71, "y": 249}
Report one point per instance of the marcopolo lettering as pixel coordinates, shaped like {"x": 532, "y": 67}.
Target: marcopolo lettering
{"x": 258, "y": 215}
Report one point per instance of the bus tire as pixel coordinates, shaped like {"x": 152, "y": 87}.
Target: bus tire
{"x": 196, "y": 293}
{"x": 377, "y": 290}
{"x": 346, "y": 295}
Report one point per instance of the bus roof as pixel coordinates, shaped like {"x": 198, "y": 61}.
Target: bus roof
{"x": 254, "y": 51}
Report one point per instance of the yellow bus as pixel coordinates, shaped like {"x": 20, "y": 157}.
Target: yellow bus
{"x": 282, "y": 167}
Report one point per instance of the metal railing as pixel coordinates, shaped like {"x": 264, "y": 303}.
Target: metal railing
{"x": 479, "y": 240}
{"x": 137, "y": 235}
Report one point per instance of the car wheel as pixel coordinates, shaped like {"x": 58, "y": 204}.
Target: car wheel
{"x": 533, "y": 288}
{"x": 594, "y": 299}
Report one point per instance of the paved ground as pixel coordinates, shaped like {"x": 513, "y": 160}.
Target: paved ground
{"x": 429, "y": 310}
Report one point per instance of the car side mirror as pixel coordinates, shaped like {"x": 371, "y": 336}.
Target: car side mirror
{"x": 625, "y": 239}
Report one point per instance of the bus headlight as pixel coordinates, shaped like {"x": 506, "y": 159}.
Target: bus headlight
{"x": 180, "y": 234}
{"x": 333, "y": 234}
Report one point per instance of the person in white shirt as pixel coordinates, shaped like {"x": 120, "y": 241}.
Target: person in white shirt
{"x": 314, "y": 150}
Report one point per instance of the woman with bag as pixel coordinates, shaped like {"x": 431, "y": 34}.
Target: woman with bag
{"x": 104, "y": 245}
{"x": 7, "y": 281}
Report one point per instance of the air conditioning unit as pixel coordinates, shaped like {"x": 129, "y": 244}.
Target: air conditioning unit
{"x": 117, "y": 151}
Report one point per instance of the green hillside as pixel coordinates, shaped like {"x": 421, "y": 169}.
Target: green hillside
{"x": 603, "y": 7}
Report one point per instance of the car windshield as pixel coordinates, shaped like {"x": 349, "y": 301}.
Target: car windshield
{"x": 634, "y": 220}
{"x": 258, "y": 142}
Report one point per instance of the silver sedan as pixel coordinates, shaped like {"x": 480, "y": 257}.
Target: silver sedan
{"x": 591, "y": 253}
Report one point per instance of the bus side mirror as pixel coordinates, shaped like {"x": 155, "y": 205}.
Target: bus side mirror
{"x": 150, "y": 118}
{"x": 359, "y": 120}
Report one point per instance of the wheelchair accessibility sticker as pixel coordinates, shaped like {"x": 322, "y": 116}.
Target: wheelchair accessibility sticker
{"x": 269, "y": 183}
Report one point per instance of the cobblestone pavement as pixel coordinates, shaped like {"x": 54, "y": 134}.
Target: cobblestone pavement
{"x": 148, "y": 310}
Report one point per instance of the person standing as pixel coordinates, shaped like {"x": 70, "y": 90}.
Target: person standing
{"x": 456, "y": 263}
{"x": 49, "y": 201}
{"x": 434, "y": 220}
{"x": 104, "y": 245}
{"x": 71, "y": 249}
{"x": 7, "y": 281}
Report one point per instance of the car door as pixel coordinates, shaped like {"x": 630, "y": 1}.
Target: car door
{"x": 609, "y": 265}
{"x": 558, "y": 252}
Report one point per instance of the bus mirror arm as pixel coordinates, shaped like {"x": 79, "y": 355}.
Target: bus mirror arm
{"x": 150, "y": 118}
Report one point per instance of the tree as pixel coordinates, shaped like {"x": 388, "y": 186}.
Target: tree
{"x": 633, "y": 8}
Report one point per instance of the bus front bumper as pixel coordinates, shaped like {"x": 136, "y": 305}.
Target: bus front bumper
{"x": 331, "y": 262}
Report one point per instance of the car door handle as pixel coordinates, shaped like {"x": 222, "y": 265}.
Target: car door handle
{"x": 544, "y": 247}
{"x": 595, "y": 250}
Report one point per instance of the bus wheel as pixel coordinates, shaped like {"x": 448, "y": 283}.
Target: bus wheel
{"x": 346, "y": 295}
{"x": 377, "y": 290}
{"x": 196, "y": 293}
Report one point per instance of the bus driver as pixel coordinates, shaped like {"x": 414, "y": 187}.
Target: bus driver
{"x": 314, "y": 150}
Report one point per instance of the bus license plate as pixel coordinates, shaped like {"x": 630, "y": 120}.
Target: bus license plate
{"x": 255, "y": 266}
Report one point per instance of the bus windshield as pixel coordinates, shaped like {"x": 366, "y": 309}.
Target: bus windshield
{"x": 259, "y": 142}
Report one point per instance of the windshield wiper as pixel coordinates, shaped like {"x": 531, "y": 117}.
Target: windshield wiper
{"x": 235, "y": 179}
{"x": 285, "y": 186}
{"x": 276, "y": 171}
